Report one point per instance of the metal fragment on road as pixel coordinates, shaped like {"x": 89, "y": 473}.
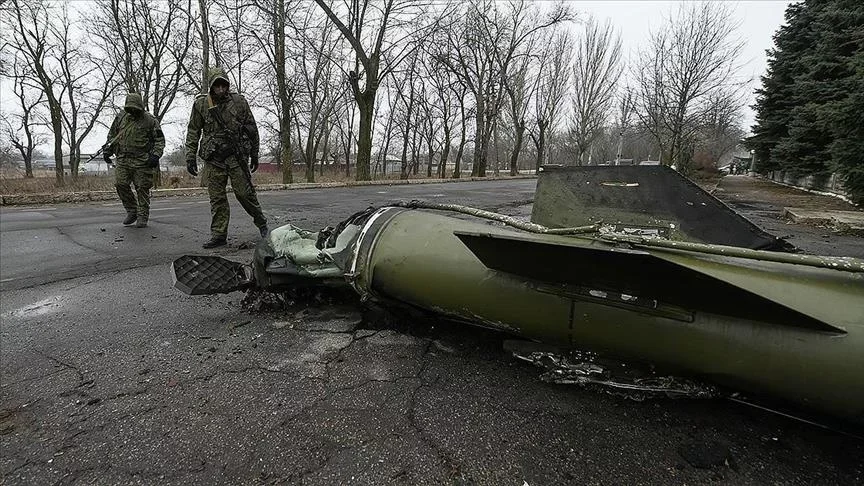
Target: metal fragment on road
{"x": 203, "y": 275}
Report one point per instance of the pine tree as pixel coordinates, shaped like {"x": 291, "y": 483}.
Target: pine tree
{"x": 809, "y": 109}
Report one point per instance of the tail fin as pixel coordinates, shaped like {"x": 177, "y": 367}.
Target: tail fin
{"x": 643, "y": 195}
{"x": 634, "y": 279}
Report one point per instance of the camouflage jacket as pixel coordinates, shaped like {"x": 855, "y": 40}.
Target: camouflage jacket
{"x": 135, "y": 137}
{"x": 224, "y": 128}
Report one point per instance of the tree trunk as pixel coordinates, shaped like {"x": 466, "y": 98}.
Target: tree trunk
{"x": 541, "y": 146}
{"x": 431, "y": 155}
{"x": 415, "y": 153}
{"x": 324, "y": 151}
{"x": 310, "y": 170}
{"x": 463, "y": 138}
{"x": 309, "y": 157}
{"x": 285, "y": 148}
{"x": 514, "y": 158}
{"x": 497, "y": 158}
{"x": 364, "y": 135}
{"x": 445, "y": 153}
{"x": 479, "y": 168}
{"x": 205, "y": 46}
{"x": 74, "y": 161}
{"x": 404, "y": 174}
{"x": 57, "y": 127}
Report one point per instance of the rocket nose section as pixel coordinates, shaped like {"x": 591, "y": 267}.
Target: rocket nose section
{"x": 206, "y": 275}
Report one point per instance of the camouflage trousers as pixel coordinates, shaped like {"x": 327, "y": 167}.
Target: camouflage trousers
{"x": 130, "y": 172}
{"x": 244, "y": 191}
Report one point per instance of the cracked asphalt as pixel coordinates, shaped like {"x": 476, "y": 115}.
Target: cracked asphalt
{"x": 110, "y": 376}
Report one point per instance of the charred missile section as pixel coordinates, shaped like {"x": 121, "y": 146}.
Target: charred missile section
{"x": 663, "y": 287}
{"x": 205, "y": 275}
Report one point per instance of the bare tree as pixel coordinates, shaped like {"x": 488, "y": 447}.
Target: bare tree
{"x": 624, "y": 119}
{"x": 597, "y": 68}
{"x": 692, "y": 56}
{"x": 381, "y": 34}
{"x": 317, "y": 51}
{"x": 445, "y": 90}
{"x": 23, "y": 134}
{"x": 519, "y": 91}
{"x": 407, "y": 96}
{"x": 387, "y": 131}
{"x": 466, "y": 114}
{"x": 231, "y": 38}
{"x": 720, "y": 130}
{"x": 150, "y": 41}
{"x": 481, "y": 48}
{"x": 347, "y": 138}
{"x": 30, "y": 27}
{"x": 86, "y": 85}
{"x": 431, "y": 125}
{"x": 276, "y": 14}
{"x": 552, "y": 81}
{"x": 204, "y": 34}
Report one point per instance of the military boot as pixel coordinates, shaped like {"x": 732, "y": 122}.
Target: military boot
{"x": 130, "y": 218}
{"x": 215, "y": 241}
{"x": 142, "y": 223}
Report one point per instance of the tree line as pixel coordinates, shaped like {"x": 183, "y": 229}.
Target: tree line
{"x": 809, "y": 108}
{"x": 432, "y": 86}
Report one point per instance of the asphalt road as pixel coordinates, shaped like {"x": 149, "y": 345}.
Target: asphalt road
{"x": 110, "y": 376}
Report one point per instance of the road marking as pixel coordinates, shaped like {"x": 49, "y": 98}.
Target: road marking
{"x": 162, "y": 209}
{"x": 34, "y": 210}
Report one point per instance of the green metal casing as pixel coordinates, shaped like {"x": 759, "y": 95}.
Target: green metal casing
{"x": 775, "y": 329}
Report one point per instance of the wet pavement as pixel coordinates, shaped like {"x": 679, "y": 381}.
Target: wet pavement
{"x": 110, "y": 376}
{"x": 764, "y": 203}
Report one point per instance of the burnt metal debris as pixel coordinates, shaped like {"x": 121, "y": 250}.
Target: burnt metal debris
{"x": 635, "y": 264}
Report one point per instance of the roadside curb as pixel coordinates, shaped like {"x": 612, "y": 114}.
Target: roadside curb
{"x": 847, "y": 222}
{"x": 77, "y": 197}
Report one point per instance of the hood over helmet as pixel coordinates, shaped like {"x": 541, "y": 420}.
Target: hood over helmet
{"x": 134, "y": 101}
{"x": 218, "y": 74}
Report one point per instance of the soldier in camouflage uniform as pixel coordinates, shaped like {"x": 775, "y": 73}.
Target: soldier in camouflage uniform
{"x": 228, "y": 145}
{"x": 136, "y": 139}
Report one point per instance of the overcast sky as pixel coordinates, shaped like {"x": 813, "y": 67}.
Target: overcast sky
{"x": 759, "y": 19}
{"x": 635, "y": 19}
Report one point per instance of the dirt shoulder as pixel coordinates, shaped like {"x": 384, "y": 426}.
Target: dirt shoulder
{"x": 109, "y": 195}
{"x": 764, "y": 203}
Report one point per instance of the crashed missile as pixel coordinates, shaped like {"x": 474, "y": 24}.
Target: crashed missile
{"x": 770, "y": 324}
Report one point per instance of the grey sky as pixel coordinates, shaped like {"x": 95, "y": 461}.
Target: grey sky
{"x": 636, "y": 19}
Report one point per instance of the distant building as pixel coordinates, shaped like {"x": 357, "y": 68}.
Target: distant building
{"x": 94, "y": 167}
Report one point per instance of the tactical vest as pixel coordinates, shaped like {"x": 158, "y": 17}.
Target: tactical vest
{"x": 134, "y": 136}
{"x": 222, "y": 135}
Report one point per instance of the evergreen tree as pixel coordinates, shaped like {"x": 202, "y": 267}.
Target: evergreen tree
{"x": 776, "y": 99}
{"x": 809, "y": 109}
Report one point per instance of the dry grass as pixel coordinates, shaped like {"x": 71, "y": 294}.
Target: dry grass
{"x": 44, "y": 181}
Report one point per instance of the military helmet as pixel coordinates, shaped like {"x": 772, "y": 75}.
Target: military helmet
{"x": 134, "y": 101}
{"x": 218, "y": 74}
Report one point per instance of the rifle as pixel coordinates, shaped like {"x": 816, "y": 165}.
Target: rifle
{"x": 101, "y": 149}
{"x": 109, "y": 143}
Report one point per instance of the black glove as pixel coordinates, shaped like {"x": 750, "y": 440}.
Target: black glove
{"x": 153, "y": 161}
{"x": 253, "y": 163}
{"x": 192, "y": 167}
{"x": 107, "y": 157}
